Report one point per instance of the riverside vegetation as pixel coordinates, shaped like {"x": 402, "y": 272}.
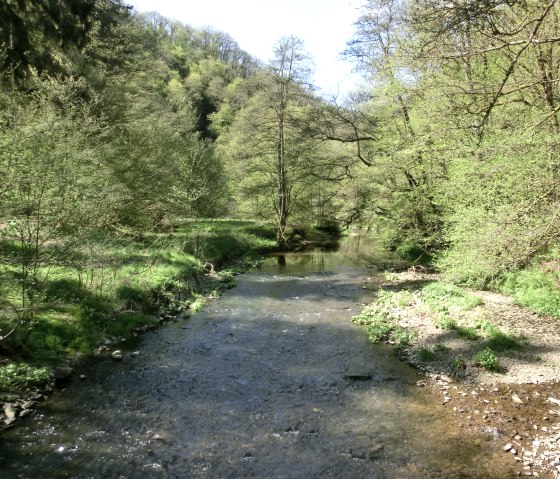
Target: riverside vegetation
{"x": 120, "y": 131}
{"x": 114, "y": 285}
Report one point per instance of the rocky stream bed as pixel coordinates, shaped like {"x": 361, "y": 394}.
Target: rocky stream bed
{"x": 274, "y": 380}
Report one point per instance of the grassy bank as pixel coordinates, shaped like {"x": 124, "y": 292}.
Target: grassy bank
{"x": 109, "y": 286}
{"x": 436, "y": 326}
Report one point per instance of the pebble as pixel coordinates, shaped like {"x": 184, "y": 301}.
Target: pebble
{"x": 117, "y": 354}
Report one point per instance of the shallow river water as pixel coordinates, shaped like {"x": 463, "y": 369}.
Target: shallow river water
{"x": 257, "y": 385}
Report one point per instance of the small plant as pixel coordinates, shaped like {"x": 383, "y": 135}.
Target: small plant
{"x": 487, "y": 359}
{"x": 15, "y": 376}
{"x": 198, "y": 304}
{"x": 483, "y": 324}
{"x": 391, "y": 276}
{"x": 378, "y": 330}
{"x": 497, "y": 340}
{"x": 467, "y": 333}
{"x": 403, "y": 337}
{"x": 446, "y": 323}
{"x": 425, "y": 354}
{"x": 371, "y": 314}
{"x": 458, "y": 363}
{"x": 500, "y": 341}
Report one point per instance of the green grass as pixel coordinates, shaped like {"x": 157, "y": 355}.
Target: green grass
{"x": 446, "y": 323}
{"x": 444, "y": 296}
{"x": 466, "y": 332}
{"x": 112, "y": 284}
{"x": 536, "y": 288}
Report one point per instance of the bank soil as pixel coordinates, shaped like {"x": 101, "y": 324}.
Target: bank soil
{"x": 519, "y": 404}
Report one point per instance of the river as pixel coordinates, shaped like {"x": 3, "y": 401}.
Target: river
{"x": 263, "y": 383}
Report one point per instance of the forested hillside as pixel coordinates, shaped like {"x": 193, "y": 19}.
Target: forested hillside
{"x": 118, "y": 129}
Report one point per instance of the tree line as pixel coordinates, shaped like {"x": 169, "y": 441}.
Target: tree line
{"x": 115, "y": 120}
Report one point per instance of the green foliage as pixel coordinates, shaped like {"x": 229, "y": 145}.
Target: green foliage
{"x": 412, "y": 252}
{"x": 496, "y": 339}
{"x": 378, "y": 330}
{"x": 440, "y": 347}
{"x": 109, "y": 285}
{"x": 467, "y": 333}
{"x": 535, "y": 288}
{"x": 16, "y": 376}
{"x": 457, "y": 364}
{"x": 487, "y": 359}
{"x": 381, "y": 324}
{"x": 426, "y": 354}
{"x": 499, "y": 341}
{"x": 446, "y": 322}
{"x": 441, "y": 295}
{"x": 403, "y": 337}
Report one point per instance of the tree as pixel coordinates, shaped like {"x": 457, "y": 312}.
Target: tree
{"x": 53, "y": 185}
{"x": 267, "y": 145}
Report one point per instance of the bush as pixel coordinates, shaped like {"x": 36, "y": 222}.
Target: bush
{"x": 412, "y": 252}
{"x": 534, "y": 288}
{"x": 17, "y": 376}
{"x": 487, "y": 359}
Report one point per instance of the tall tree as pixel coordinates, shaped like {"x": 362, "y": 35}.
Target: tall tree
{"x": 290, "y": 74}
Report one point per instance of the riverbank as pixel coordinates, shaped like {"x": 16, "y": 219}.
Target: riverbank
{"x": 110, "y": 287}
{"x": 493, "y": 363}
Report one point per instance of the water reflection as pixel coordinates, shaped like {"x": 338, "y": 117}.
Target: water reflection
{"x": 352, "y": 250}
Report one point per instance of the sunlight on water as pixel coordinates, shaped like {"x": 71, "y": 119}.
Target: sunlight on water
{"x": 255, "y": 385}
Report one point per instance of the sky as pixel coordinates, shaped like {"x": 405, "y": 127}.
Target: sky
{"x": 256, "y": 25}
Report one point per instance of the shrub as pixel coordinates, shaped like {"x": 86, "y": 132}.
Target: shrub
{"x": 534, "y": 288}
{"x": 487, "y": 359}
{"x": 15, "y": 376}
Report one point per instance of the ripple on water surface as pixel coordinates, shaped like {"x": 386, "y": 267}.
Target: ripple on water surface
{"x": 263, "y": 383}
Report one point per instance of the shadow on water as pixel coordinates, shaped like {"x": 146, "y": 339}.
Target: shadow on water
{"x": 256, "y": 385}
